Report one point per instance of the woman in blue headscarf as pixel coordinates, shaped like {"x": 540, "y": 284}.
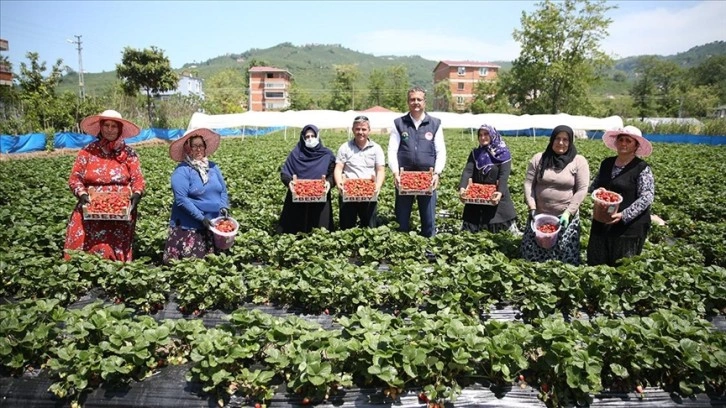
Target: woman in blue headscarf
{"x": 490, "y": 163}
{"x": 308, "y": 160}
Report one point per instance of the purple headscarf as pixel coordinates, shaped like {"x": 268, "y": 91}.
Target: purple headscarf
{"x": 308, "y": 163}
{"x": 496, "y": 153}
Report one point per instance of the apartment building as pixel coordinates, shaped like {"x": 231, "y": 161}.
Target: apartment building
{"x": 463, "y": 77}
{"x": 6, "y": 75}
{"x": 269, "y": 89}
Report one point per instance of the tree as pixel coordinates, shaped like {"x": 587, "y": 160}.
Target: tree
{"x": 174, "y": 112}
{"x": 699, "y": 101}
{"x": 712, "y": 72}
{"x": 253, "y": 62}
{"x": 343, "y": 87}
{"x": 643, "y": 93}
{"x": 398, "y": 90}
{"x": 299, "y": 99}
{"x": 488, "y": 98}
{"x": 658, "y": 87}
{"x": 37, "y": 92}
{"x": 442, "y": 96}
{"x": 149, "y": 70}
{"x": 560, "y": 58}
{"x": 622, "y": 106}
{"x": 225, "y": 92}
{"x": 376, "y": 87}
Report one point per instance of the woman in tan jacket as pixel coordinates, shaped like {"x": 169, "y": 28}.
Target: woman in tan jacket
{"x": 556, "y": 183}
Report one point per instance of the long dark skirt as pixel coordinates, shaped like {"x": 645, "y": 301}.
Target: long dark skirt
{"x": 608, "y": 250}
{"x": 303, "y": 217}
{"x": 510, "y": 226}
{"x": 188, "y": 243}
{"x": 567, "y": 248}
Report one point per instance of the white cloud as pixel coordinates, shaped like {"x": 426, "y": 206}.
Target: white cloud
{"x": 664, "y": 31}
{"x": 433, "y": 45}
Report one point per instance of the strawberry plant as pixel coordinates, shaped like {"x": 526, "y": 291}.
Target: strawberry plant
{"x": 103, "y": 344}
{"x": 565, "y": 365}
{"x": 27, "y": 330}
{"x": 419, "y": 317}
{"x": 212, "y": 282}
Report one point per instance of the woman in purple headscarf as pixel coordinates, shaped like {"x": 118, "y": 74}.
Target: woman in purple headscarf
{"x": 490, "y": 163}
{"x": 308, "y": 160}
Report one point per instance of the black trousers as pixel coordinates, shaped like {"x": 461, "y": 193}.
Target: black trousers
{"x": 352, "y": 212}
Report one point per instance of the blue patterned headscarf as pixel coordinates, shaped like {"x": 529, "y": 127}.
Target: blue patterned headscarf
{"x": 495, "y": 153}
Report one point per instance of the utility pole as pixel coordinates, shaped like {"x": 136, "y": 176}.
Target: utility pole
{"x": 78, "y": 42}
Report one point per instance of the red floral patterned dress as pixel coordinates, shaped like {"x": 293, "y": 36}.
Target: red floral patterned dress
{"x": 106, "y": 172}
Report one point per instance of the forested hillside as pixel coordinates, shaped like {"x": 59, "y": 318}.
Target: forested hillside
{"x": 312, "y": 66}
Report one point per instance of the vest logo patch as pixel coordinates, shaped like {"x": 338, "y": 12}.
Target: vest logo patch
{"x": 429, "y": 136}
{"x": 404, "y": 136}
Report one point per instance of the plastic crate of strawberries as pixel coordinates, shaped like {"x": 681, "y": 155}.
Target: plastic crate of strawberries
{"x": 309, "y": 191}
{"x": 481, "y": 194}
{"x": 108, "y": 206}
{"x": 359, "y": 190}
{"x": 416, "y": 182}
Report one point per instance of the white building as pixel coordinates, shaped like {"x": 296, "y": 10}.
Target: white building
{"x": 187, "y": 86}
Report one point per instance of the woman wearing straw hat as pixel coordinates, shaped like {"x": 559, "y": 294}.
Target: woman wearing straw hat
{"x": 308, "y": 160}
{"x": 556, "y": 184}
{"x": 200, "y": 194}
{"x": 107, "y": 165}
{"x": 623, "y": 234}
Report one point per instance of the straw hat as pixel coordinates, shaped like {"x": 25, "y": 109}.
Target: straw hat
{"x": 611, "y": 136}
{"x": 92, "y": 124}
{"x": 211, "y": 139}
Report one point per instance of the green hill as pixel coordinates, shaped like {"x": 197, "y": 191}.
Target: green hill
{"x": 688, "y": 59}
{"x": 312, "y": 66}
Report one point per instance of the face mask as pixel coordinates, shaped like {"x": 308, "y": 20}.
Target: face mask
{"x": 312, "y": 142}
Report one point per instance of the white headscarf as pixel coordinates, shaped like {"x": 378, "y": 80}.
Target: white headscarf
{"x": 201, "y": 166}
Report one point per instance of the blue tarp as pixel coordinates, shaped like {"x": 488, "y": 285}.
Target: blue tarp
{"x": 597, "y": 134}
{"x": 33, "y": 142}
{"x": 591, "y": 134}
{"x": 36, "y": 141}
{"x": 689, "y": 139}
{"x": 70, "y": 140}
{"x": 685, "y": 139}
{"x": 167, "y": 134}
{"x": 78, "y": 140}
{"x": 524, "y": 132}
{"x": 248, "y": 131}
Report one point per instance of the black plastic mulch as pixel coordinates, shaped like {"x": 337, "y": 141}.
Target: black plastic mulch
{"x": 169, "y": 388}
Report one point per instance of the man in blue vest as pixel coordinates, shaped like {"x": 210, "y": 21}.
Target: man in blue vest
{"x": 417, "y": 144}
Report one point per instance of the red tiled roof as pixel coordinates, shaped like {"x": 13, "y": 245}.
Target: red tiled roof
{"x": 267, "y": 69}
{"x": 475, "y": 64}
{"x": 377, "y": 109}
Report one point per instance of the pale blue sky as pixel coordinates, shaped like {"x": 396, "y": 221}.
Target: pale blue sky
{"x": 194, "y": 31}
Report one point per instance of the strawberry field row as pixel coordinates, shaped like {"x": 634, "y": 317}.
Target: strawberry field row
{"x": 471, "y": 284}
{"x": 438, "y": 352}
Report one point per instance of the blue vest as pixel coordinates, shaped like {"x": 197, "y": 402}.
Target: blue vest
{"x": 416, "y": 152}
